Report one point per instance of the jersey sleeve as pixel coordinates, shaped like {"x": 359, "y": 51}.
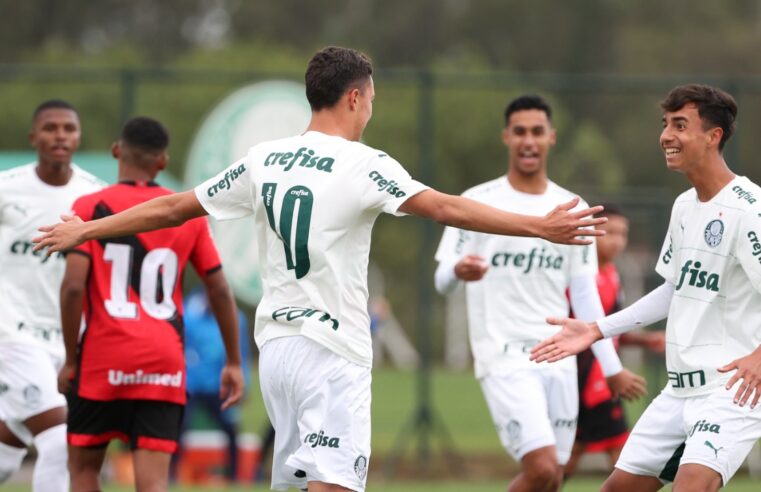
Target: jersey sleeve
{"x": 386, "y": 185}
{"x": 583, "y": 259}
{"x": 204, "y": 257}
{"x": 748, "y": 246}
{"x": 665, "y": 266}
{"x": 229, "y": 194}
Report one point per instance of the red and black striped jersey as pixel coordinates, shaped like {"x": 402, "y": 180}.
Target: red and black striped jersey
{"x": 132, "y": 346}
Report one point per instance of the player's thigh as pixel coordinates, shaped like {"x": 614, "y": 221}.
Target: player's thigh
{"x": 29, "y": 387}
{"x": 518, "y": 406}
{"x": 93, "y": 423}
{"x": 319, "y": 404}
{"x": 720, "y": 434}
{"x": 656, "y": 442}
{"x": 151, "y": 470}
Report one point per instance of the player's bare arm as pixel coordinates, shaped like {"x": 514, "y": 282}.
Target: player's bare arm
{"x": 222, "y": 303}
{"x": 573, "y": 337}
{"x": 166, "y": 211}
{"x": 559, "y": 226}
{"x": 748, "y": 375}
{"x": 73, "y": 289}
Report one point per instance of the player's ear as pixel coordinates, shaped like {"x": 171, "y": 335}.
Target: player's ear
{"x": 162, "y": 159}
{"x": 353, "y": 95}
{"x": 714, "y": 136}
{"x": 116, "y": 150}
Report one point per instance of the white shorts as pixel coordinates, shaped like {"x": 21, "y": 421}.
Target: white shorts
{"x": 533, "y": 409}
{"x": 28, "y": 385}
{"x": 708, "y": 430}
{"x": 319, "y": 405}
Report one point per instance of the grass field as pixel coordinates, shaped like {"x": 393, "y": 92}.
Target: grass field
{"x": 476, "y": 464}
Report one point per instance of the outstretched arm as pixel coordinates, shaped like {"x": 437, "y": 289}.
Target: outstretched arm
{"x": 559, "y": 226}
{"x": 576, "y": 335}
{"x": 165, "y": 211}
{"x": 222, "y": 304}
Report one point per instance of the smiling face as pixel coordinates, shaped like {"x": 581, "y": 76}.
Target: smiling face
{"x": 528, "y": 137}
{"x": 55, "y": 135}
{"x": 685, "y": 140}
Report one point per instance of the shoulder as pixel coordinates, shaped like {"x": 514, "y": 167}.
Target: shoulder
{"x": 745, "y": 194}
{"x": 486, "y": 189}
{"x": 16, "y": 174}
{"x": 559, "y": 194}
{"x": 87, "y": 178}
{"x": 684, "y": 200}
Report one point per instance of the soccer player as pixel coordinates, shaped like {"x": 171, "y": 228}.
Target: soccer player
{"x": 31, "y": 351}
{"x": 699, "y": 430}
{"x": 512, "y": 283}
{"x": 125, "y": 379}
{"x": 314, "y": 198}
{"x": 602, "y": 423}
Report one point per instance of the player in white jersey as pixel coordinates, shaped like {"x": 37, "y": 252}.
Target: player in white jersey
{"x": 31, "y": 348}
{"x": 314, "y": 199}
{"x": 512, "y": 283}
{"x": 698, "y": 431}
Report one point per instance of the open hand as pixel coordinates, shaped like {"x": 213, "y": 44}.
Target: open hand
{"x": 574, "y": 336}
{"x": 564, "y": 227}
{"x": 748, "y": 373}
{"x": 62, "y": 236}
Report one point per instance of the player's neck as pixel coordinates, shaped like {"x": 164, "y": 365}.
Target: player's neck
{"x": 137, "y": 175}
{"x": 534, "y": 184}
{"x": 53, "y": 173}
{"x": 710, "y": 177}
{"x": 333, "y": 123}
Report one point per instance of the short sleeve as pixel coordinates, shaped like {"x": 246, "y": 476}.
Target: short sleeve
{"x": 228, "y": 195}
{"x": 583, "y": 259}
{"x": 386, "y": 185}
{"x": 204, "y": 257}
{"x": 665, "y": 266}
{"x": 748, "y": 246}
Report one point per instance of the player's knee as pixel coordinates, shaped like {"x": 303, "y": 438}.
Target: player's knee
{"x": 543, "y": 476}
{"x": 10, "y": 460}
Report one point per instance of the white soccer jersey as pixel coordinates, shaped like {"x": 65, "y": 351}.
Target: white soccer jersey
{"x": 712, "y": 255}
{"x": 315, "y": 199}
{"x": 30, "y": 282}
{"x": 526, "y": 281}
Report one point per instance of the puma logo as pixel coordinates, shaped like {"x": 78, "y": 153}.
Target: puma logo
{"x": 715, "y": 450}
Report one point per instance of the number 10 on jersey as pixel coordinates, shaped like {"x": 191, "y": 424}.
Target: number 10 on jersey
{"x": 295, "y": 217}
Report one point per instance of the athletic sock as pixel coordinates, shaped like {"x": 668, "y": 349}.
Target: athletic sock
{"x": 10, "y": 460}
{"x": 50, "y": 472}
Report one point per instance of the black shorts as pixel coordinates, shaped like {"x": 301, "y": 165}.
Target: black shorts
{"x": 143, "y": 424}
{"x": 602, "y": 426}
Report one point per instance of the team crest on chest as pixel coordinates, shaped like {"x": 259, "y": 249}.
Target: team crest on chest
{"x": 714, "y": 232}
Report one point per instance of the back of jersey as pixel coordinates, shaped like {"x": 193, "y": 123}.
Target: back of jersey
{"x": 132, "y": 346}
{"x": 315, "y": 199}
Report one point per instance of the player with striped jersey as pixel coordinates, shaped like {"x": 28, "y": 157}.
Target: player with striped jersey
{"x": 315, "y": 198}
{"x": 699, "y": 430}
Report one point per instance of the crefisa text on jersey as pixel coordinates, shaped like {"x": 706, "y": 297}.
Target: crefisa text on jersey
{"x": 305, "y": 158}
{"x": 224, "y": 184}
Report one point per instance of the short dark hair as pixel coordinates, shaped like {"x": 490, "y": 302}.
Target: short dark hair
{"x": 52, "y": 104}
{"x": 611, "y": 210}
{"x": 715, "y": 106}
{"x": 527, "y": 101}
{"x": 146, "y": 134}
{"x": 331, "y": 72}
